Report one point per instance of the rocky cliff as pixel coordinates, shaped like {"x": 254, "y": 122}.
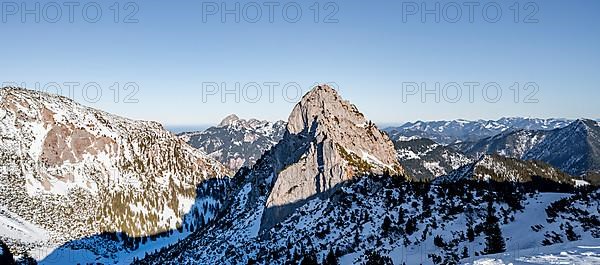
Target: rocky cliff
{"x": 328, "y": 141}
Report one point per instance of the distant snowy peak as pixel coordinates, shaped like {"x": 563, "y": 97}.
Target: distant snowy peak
{"x": 237, "y": 142}
{"x": 503, "y": 169}
{"x": 229, "y": 120}
{"x": 534, "y": 123}
{"x": 449, "y": 132}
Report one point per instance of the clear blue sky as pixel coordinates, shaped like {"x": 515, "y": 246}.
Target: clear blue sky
{"x": 369, "y": 53}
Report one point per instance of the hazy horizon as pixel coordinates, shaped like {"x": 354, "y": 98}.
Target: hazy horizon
{"x": 181, "y": 128}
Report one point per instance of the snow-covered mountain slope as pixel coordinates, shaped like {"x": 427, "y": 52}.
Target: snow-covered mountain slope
{"x": 69, "y": 171}
{"x": 450, "y": 132}
{"x": 237, "y": 142}
{"x": 120, "y": 248}
{"x": 425, "y": 159}
{"x": 510, "y": 144}
{"x": 574, "y": 149}
{"x": 411, "y": 223}
{"x": 504, "y": 169}
{"x": 582, "y": 252}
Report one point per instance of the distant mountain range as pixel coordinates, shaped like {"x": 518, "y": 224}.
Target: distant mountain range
{"x": 510, "y": 144}
{"x": 450, "y": 132}
{"x": 236, "y": 142}
{"x": 574, "y": 149}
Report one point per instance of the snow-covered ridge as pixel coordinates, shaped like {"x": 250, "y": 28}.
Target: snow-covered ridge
{"x": 504, "y": 169}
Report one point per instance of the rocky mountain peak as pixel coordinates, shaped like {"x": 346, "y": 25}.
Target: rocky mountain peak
{"x": 324, "y": 105}
{"x": 324, "y": 116}
{"x": 328, "y": 141}
{"x": 229, "y": 120}
{"x": 586, "y": 124}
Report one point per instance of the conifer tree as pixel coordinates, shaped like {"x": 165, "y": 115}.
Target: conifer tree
{"x": 470, "y": 233}
{"x": 310, "y": 259}
{"x": 465, "y": 253}
{"x": 386, "y": 225}
{"x": 571, "y": 235}
{"x": 6, "y": 256}
{"x": 374, "y": 258}
{"x": 331, "y": 259}
{"x": 494, "y": 242}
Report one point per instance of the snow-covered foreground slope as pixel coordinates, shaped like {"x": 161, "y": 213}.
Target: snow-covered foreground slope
{"x": 103, "y": 251}
{"x": 400, "y": 220}
{"x": 522, "y": 244}
{"x": 584, "y": 252}
{"x": 13, "y": 228}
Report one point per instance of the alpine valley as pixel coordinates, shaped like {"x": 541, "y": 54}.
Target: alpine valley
{"x": 327, "y": 186}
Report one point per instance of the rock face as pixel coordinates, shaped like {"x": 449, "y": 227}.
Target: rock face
{"x": 69, "y": 171}
{"x": 237, "y": 142}
{"x": 328, "y": 141}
